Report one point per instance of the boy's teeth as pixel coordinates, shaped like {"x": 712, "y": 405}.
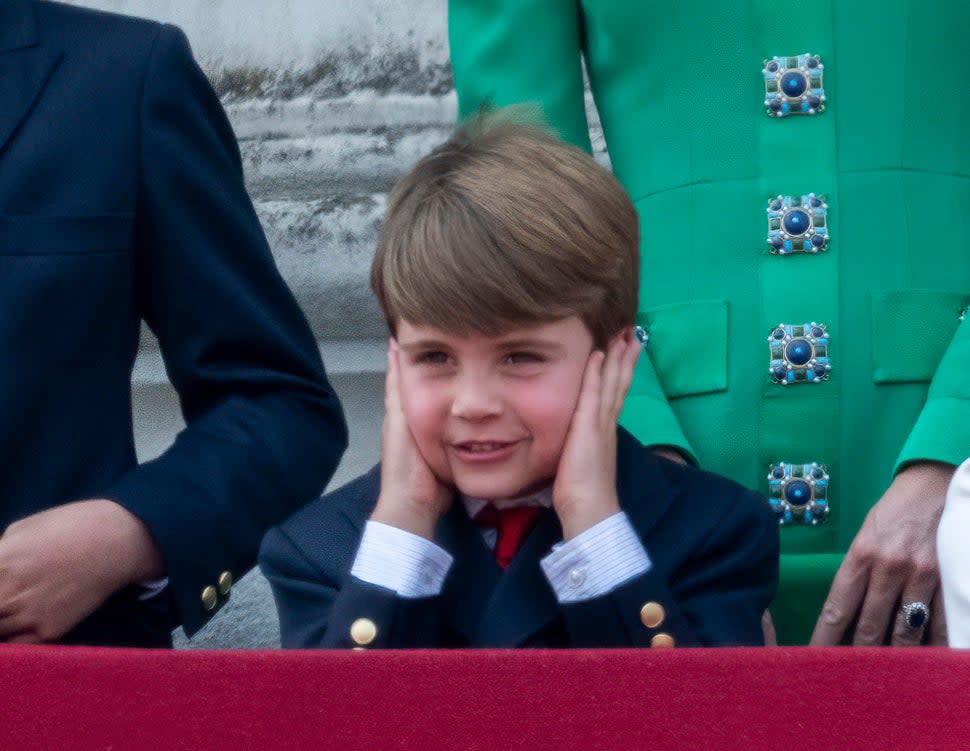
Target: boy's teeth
{"x": 483, "y": 447}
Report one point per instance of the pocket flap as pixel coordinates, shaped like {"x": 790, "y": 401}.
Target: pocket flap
{"x": 688, "y": 346}
{"x": 911, "y": 329}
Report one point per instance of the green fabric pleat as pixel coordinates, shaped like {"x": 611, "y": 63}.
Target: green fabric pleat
{"x": 807, "y": 578}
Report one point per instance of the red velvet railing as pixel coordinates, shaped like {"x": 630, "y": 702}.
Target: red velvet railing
{"x": 788, "y": 699}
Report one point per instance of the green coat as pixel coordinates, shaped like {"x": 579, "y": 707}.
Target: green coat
{"x": 680, "y": 88}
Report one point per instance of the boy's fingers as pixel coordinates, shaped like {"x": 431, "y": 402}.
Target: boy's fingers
{"x": 589, "y": 392}
{"x": 627, "y": 365}
{"x": 624, "y": 350}
{"x": 612, "y": 368}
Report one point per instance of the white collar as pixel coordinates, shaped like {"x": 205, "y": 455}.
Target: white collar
{"x": 541, "y": 498}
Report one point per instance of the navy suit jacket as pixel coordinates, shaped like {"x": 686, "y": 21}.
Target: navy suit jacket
{"x": 712, "y": 542}
{"x": 121, "y": 201}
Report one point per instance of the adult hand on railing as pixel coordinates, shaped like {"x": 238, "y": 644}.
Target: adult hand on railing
{"x": 891, "y": 563}
{"x": 57, "y": 566}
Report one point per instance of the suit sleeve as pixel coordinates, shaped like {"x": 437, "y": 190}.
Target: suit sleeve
{"x": 317, "y": 609}
{"x": 942, "y": 430}
{"x": 716, "y": 598}
{"x": 506, "y": 52}
{"x": 264, "y": 428}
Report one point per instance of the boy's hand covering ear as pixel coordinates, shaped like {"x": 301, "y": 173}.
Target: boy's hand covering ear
{"x": 584, "y": 492}
{"x": 411, "y": 496}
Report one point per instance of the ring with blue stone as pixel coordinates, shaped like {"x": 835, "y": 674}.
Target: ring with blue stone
{"x": 799, "y": 353}
{"x": 915, "y": 615}
{"x": 793, "y": 85}
{"x": 797, "y": 224}
{"x": 641, "y": 334}
{"x": 798, "y": 493}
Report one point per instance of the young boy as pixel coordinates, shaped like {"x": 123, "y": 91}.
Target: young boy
{"x": 509, "y": 509}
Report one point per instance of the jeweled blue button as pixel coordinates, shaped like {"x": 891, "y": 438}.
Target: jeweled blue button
{"x": 798, "y": 351}
{"x": 778, "y": 333}
{"x": 793, "y": 83}
{"x": 796, "y": 222}
{"x": 801, "y": 355}
{"x": 798, "y": 492}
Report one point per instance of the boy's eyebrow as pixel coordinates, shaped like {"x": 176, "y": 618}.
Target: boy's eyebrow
{"x": 523, "y": 343}
{"x": 422, "y": 344}
{"x": 526, "y": 343}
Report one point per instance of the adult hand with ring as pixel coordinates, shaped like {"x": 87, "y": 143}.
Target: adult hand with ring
{"x": 891, "y": 561}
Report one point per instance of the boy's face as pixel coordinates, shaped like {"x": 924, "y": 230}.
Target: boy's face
{"x": 490, "y": 414}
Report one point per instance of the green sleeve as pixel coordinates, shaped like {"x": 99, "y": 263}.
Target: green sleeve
{"x": 942, "y": 431}
{"x": 507, "y": 52}
{"x": 647, "y": 414}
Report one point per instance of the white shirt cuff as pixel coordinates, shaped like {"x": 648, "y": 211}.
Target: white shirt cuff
{"x": 152, "y": 588}
{"x": 408, "y": 564}
{"x": 597, "y": 561}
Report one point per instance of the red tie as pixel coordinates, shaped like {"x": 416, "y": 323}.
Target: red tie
{"x": 513, "y": 524}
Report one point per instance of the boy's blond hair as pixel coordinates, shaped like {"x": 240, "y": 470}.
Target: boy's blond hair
{"x": 504, "y": 225}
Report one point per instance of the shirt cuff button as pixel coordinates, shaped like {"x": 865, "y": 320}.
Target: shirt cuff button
{"x": 577, "y": 577}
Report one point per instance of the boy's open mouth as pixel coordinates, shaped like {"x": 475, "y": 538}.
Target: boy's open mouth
{"x": 484, "y": 450}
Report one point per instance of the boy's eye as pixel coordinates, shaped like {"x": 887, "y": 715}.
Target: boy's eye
{"x": 523, "y": 358}
{"x": 433, "y": 357}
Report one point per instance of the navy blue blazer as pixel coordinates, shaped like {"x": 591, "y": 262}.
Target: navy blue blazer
{"x": 121, "y": 201}
{"x": 712, "y": 542}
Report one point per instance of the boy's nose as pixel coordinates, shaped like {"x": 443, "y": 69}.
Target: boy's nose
{"x": 474, "y": 400}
